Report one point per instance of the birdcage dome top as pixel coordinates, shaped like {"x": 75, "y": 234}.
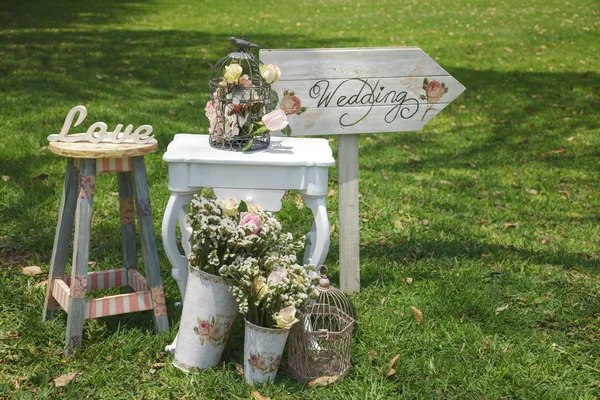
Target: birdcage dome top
{"x": 243, "y": 56}
{"x": 333, "y": 297}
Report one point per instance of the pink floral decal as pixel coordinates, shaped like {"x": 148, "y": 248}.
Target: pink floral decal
{"x": 158, "y": 297}
{"x": 291, "y": 104}
{"x": 264, "y": 363}
{"x": 214, "y": 329}
{"x": 127, "y": 211}
{"x": 79, "y": 287}
{"x": 86, "y": 187}
{"x": 434, "y": 91}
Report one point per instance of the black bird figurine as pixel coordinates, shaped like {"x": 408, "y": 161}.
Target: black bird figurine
{"x": 243, "y": 44}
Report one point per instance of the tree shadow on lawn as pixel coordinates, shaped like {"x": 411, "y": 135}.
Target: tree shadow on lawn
{"x": 410, "y": 251}
{"x": 41, "y": 14}
{"x": 122, "y": 76}
{"x": 515, "y": 117}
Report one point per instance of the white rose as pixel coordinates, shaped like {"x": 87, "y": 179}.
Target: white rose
{"x": 232, "y": 73}
{"x": 270, "y": 73}
{"x": 286, "y": 317}
{"x": 231, "y": 206}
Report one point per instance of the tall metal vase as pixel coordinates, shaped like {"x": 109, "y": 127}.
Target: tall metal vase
{"x": 263, "y": 348}
{"x": 209, "y": 311}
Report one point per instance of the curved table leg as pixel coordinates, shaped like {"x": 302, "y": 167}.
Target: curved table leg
{"x": 179, "y": 262}
{"x": 318, "y": 238}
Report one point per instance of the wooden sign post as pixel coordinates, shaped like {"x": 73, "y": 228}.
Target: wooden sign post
{"x": 354, "y": 91}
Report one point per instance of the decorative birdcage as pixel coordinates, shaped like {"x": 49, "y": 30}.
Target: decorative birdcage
{"x": 239, "y": 99}
{"x": 320, "y": 344}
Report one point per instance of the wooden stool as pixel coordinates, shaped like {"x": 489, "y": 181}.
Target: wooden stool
{"x": 85, "y": 160}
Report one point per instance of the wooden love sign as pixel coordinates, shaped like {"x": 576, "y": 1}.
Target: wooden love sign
{"x": 354, "y": 91}
{"x": 98, "y": 132}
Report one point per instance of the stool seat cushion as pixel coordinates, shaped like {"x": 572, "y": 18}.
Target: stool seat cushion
{"x": 101, "y": 150}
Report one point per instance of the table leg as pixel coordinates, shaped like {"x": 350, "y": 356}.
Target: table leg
{"x": 318, "y": 247}
{"x": 178, "y": 261}
{"x": 176, "y": 210}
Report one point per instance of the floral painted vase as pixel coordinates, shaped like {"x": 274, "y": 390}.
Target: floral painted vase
{"x": 209, "y": 311}
{"x": 263, "y": 348}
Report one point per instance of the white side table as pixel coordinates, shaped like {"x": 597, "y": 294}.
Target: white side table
{"x": 261, "y": 177}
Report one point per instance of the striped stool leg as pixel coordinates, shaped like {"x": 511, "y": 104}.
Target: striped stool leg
{"x": 62, "y": 238}
{"x": 127, "y": 211}
{"x": 81, "y": 247}
{"x": 148, "y": 242}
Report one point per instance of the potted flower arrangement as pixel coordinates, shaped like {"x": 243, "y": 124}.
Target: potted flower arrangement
{"x": 242, "y": 109}
{"x": 220, "y": 233}
{"x": 269, "y": 289}
{"x": 240, "y": 260}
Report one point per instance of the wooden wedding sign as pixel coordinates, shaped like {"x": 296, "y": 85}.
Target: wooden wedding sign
{"x": 355, "y": 91}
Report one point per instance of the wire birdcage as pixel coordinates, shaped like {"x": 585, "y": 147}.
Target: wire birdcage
{"x": 239, "y": 99}
{"x": 320, "y": 344}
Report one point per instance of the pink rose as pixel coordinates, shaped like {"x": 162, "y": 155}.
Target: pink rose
{"x": 290, "y": 104}
{"x": 251, "y": 220}
{"x": 253, "y": 360}
{"x": 203, "y": 328}
{"x": 211, "y": 114}
{"x": 277, "y": 276}
{"x": 434, "y": 91}
{"x": 275, "y": 120}
{"x": 245, "y": 81}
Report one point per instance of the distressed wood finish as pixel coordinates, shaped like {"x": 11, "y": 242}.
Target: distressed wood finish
{"x": 81, "y": 248}
{"x": 348, "y": 206}
{"x": 76, "y": 206}
{"x": 101, "y": 150}
{"x": 355, "y": 91}
{"x": 148, "y": 244}
{"x": 62, "y": 238}
{"x": 127, "y": 213}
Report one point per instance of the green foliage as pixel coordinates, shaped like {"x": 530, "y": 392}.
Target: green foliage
{"x": 492, "y": 209}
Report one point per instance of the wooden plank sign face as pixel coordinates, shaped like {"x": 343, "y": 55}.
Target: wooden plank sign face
{"x": 360, "y": 90}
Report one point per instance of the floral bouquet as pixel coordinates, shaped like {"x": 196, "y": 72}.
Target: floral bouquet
{"x": 247, "y": 247}
{"x": 243, "y": 110}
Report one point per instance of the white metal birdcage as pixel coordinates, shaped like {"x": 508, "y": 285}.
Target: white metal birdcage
{"x": 320, "y": 344}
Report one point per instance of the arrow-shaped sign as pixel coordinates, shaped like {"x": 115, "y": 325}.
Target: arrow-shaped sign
{"x": 353, "y": 91}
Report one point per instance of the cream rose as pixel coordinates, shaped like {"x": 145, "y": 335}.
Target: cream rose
{"x": 270, "y": 73}
{"x": 232, "y": 73}
{"x": 231, "y": 206}
{"x": 253, "y": 208}
{"x": 286, "y": 317}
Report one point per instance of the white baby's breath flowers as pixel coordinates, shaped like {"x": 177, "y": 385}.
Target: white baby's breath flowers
{"x": 252, "y": 253}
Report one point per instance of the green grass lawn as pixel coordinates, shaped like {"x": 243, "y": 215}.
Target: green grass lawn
{"x": 492, "y": 209}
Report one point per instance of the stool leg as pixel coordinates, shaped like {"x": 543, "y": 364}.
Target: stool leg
{"x": 81, "y": 247}
{"x": 62, "y": 238}
{"x": 148, "y": 243}
{"x": 127, "y": 211}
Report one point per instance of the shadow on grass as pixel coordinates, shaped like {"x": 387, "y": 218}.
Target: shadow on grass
{"x": 444, "y": 251}
{"x": 66, "y": 14}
